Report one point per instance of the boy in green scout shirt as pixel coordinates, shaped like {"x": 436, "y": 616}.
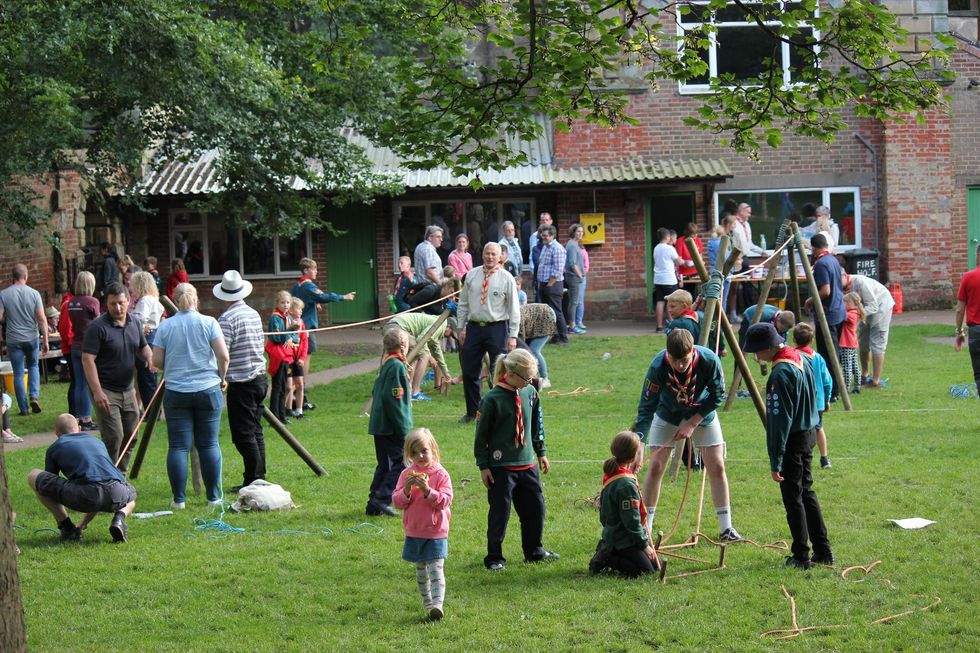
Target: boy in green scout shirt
{"x": 791, "y": 421}
{"x": 391, "y": 420}
{"x": 509, "y": 434}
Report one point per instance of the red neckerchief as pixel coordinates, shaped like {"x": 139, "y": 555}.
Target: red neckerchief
{"x": 395, "y": 354}
{"x": 788, "y": 355}
{"x": 691, "y": 314}
{"x": 820, "y": 255}
{"x": 623, "y": 472}
{"x": 806, "y": 350}
{"x": 519, "y": 411}
{"x": 486, "y": 284}
{"x": 303, "y": 279}
{"x": 285, "y": 320}
{"x": 684, "y": 389}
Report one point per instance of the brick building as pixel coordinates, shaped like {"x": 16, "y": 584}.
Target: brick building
{"x": 910, "y": 191}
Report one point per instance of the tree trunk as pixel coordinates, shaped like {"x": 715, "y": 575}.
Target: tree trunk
{"x": 13, "y": 638}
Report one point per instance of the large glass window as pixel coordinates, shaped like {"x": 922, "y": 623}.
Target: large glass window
{"x": 480, "y": 221}
{"x": 771, "y": 207}
{"x": 741, "y": 47}
{"x": 210, "y": 245}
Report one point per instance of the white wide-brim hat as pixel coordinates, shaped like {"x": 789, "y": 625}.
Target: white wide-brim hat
{"x": 232, "y": 287}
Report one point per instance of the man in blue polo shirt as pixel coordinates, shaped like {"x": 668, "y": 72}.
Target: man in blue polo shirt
{"x": 827, "y": 273}
{"x": 112, "y": 342}
{"x": 91, "y": 483}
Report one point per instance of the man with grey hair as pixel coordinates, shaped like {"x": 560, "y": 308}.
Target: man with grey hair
{"x": 428, "y": 265}
{"x": 512, "y": 243}
{"x": 23, "y": 311}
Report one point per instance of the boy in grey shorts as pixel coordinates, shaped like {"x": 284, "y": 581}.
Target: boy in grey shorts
{"x": 682, "y": 389}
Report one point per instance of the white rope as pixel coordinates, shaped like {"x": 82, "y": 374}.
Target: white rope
{"x": 765, "y": 262}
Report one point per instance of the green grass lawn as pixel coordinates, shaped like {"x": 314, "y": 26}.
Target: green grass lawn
{"x": 907, "y": 450}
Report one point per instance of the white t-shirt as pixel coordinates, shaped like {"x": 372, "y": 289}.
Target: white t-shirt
{"x": 664, "y": 270}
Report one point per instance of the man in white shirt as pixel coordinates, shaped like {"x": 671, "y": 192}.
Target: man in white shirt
{"x": 665, "y": 262}
{"x": 742, "y": 235}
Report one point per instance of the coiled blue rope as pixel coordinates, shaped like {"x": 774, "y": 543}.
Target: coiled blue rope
{"x": 964, "y": 391}
{"x": 712, "y": 287}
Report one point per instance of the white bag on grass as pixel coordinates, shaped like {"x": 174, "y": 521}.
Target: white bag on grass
{"x": 262, "y": 495}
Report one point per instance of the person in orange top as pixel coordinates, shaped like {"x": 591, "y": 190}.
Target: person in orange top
{"x": 848, "y": 344}
{"x": 687, "y": 269}
{"x": 178, "y": 275}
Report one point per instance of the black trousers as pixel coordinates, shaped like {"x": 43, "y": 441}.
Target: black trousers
{"x": 822, "y": 348}
{"x": 552, "y": 296}
{"x": 245, "y": 419}
{"x": 630, "y": 562}
{"x": 389, "y": 450}
{"x": 800, "y": 501}
{"x": 974, "y": 344}
{"x": 277, "y": 399}
{"x": 523, "y": 490}
{"x": 491, "y": 340}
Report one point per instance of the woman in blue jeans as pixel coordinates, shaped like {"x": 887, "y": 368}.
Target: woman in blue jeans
{"x": 191, "y": 350}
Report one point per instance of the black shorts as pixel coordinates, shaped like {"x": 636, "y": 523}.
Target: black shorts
{"x": 295, "y": 369}
{"x": 101, "y": 496}
{"x": 661, "y": 290}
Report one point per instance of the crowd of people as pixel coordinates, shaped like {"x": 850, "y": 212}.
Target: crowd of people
{"x": 203, "y": 358}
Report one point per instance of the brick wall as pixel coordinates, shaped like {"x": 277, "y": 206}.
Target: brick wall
{"x": 965, "y": 136}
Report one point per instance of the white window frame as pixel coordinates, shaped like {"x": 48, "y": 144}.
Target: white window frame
{"x": 700, "y": 89}
{"x": 216, "y": 274}
{"x": 826, "y": 191}
{"x": 397, "y": 206}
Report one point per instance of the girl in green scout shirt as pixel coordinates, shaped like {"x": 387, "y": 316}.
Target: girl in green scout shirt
{"x": 625, "y": 544}
{"x": 509, "y": 435}
{"x": 390, "y": 422}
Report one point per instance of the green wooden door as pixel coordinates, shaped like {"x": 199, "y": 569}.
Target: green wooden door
{"x": 350, "y": 263}
{"x": 972, "y": 223}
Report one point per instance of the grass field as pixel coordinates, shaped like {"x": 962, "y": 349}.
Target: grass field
{"x": 907, "y": 450}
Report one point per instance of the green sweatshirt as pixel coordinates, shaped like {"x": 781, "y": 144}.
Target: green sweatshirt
{"x": 391, "y": 407}
{"x": 619, "y": 513}
{"x": 496, "y": 429}
{"x": 790, "y": 406}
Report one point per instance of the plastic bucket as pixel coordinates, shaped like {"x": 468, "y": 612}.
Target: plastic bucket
{"x": 896, "y": 290}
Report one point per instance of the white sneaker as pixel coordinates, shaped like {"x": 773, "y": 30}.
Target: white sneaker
{"x": 545, "y": 383}
{"x": 177, "y": 505}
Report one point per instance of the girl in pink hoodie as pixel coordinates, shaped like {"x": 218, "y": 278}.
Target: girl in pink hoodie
{"x": 424, "y": 493}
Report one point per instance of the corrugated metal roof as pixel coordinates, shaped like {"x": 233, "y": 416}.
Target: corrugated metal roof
{"x": 199, "y": 177}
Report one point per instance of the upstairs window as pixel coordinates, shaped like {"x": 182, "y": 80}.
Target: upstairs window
{"x": 743, "y": 48}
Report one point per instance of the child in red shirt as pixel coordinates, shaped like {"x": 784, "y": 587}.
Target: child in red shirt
{"x": 849, "y": 342}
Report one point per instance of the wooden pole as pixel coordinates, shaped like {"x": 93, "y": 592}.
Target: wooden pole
{"x": 152, "y": 412}
{"x": 196, "y": 478}
{"x": 710, "y": 303}
{"x": 821, "y": 319}
{"x": 763, "y": 298}
{"x": 291, "y": 440}
{"x": 733, "y": 341}
{"x": 794, "y": 283}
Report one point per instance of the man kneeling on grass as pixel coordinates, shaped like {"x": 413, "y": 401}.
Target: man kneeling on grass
{"x": 92, "y": 484}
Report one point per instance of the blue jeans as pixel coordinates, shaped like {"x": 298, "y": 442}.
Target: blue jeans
{"x": 536, "y": 345}
{"x": 193, "y": 418}
{"x": 83, "y": 403}
{"x": 580, "y": 308}
{"x": 24, "y": 354}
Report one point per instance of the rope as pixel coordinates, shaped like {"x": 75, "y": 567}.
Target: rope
{"x": 795, "y": 631}
{"x": 964, "y": 391}
{"x": 866, "y": 570}
{"x": 765, "y": 262}
{"x": 438, "y": 300}
{"x": 581, "y": 390}
{"x": 781, "y": 545}
{"x": 884, "y": 620}
{"x": 365, "y": 528}
{"x": 132, "y": 436}
{"x": 712, "y": 287}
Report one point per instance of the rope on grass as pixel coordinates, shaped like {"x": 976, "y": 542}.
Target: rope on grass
{"x": 581, "y": 390}
{"x": 866, "y": 570}
{"x": 365, "y": 528}
{"x": 964, "y": 391}
{"x": 795, "y": 631}
{"x": 885, "y": 620}
{"x": 781, "y": 545}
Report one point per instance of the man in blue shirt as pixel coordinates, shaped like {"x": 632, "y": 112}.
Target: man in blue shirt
{"x": 549, "y": 274}
{"x": 682, "y": 389}
{"x": 91, "y": 482}
{"x": 827, "y": 273}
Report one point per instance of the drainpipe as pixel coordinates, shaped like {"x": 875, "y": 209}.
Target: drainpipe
{"x": 877, "y": 191}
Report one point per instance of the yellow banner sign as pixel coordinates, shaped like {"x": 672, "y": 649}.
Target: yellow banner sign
{"x": 595, "y": 228}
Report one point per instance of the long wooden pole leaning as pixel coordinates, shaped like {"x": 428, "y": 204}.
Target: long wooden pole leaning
{"x": 821, "y": 319}
{"x": 773, "y": 268}
{"x": 733, "y": 342}
{"x": 150, "y": 419}
{"x": 291, "y": 440}
{"x": 794, "y": 283}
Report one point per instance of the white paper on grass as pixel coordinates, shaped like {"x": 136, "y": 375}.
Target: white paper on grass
{"x": 912, "y": 523}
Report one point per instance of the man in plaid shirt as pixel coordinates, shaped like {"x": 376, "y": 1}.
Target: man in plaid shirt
{"x": 549, "y": 273}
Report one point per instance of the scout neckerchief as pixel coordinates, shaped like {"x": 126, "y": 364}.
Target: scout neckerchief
{"x": 395, "y": 354}
{"x": 622, "y": 472}
{"x": 486, "y": 284}
{"x": 820, "y": 256}
{"x": 806, "y": 350}
{"x": 303, "y": 279}
{"x": 684, "y": 387}
{"x": 284, "y": 317}
{"x": 788, "y": 355}
{"x": 691, "y": 314}
{"x": 519, "y": 410}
